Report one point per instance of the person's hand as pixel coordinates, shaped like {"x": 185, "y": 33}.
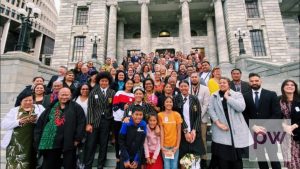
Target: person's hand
{"x": 222, "y": 126}
{"x": 175, "y": 149}
{"x": 89, "y": 128}
{"x": 188, "y": 137}
{"x": 127, "y": 164}
{"x": 289, "y": 128}
{"x": 227, "y": 94}
{"x": 148, "y": 160}
{"x": 134, "y": 165}
{"x": 153, "y": 161}
{"x": 193, "y": 135}
{"x": 32, "y": 119}
{"x": 259, "y": 129}
{"x": 23, "y": 121}
{"x": 126, "y": 120}
{"x": 76, "y": 143}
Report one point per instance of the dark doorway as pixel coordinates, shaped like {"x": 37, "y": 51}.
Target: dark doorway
{"x": 163, "y": 51}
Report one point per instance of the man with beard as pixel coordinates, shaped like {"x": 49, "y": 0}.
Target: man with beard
{"x": 262, "y": 104}
{"x": 237, "y": 84}
{"x": 205, "y": 74}
{"x": 203, "y": 95}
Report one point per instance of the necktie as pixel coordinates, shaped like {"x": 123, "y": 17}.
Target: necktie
{"x": 184, "y": 100}
{"x": 103, "y": 92}
{"x": 238, "y": 89}
{"x": 256, "y": 100}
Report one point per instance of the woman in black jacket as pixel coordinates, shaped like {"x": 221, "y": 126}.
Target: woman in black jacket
{"x": 119, "y": 83}
{"x": 290, "y": 108}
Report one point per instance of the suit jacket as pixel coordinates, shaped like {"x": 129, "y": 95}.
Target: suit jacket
{"x": 269, "y": 107}
{"x": 74, "y": 126}
{"x": 244, "y": 86}
{"x": 203, "y": 96}
{"x": 53, "y": 79}
{"x": 195, "y": 111}
{"x": 99, "y": 106}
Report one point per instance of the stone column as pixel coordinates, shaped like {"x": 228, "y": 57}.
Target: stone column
{"x": 212, "y": 49}
{"x": 38, "y": 46}
{"x": 186, "y": 26}
{"x": 112, "y": 30}
{"x": 145, "y": 27}
{"x": 221, "y": 33}
{"x": 180, "y": 32}
{"x": 4, "y": 35}
{"x": 120, "y": 44}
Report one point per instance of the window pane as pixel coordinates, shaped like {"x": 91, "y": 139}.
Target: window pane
{"x": 258, "y": 44}
{"x": 82, "y": 16}
{"x": 252, "y": 8}
{"x": 78, "y": 50}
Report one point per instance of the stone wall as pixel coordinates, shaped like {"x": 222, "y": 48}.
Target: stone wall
{"x": 291, "y": 25}
{"x": 67, "y": 30}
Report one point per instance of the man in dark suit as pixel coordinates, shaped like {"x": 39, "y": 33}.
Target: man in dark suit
{"x": 262, "y": 104}
{"x": 62, "y": 70}
{"x": 237, "y": 84}
{"x": 99, "y": 118}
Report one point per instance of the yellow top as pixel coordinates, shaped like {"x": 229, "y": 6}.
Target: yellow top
{"x": 169, "y": 126}
{"x": 212, "y": 85}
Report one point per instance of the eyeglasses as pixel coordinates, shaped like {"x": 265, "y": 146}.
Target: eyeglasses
{"x": 84, "y": 89}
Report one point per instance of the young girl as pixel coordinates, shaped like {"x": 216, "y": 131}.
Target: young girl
{"x": 170, "y": 127}
{"x": 152, "y": 145}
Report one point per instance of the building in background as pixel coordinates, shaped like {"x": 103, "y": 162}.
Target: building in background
{"x": 43, "y": 32}
{"x": 271, "y": 27}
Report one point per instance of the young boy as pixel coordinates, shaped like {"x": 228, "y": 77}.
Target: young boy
{"x": 131, "y": 140}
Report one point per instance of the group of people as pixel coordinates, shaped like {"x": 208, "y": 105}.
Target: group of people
{"x": 154, "y": 108}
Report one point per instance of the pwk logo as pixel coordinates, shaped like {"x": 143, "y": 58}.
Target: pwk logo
{"x": 273, "y": 137}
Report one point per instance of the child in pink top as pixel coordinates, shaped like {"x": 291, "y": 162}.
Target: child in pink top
{"x": 152, "y": 145}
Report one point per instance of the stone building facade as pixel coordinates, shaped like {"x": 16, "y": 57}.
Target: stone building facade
{"x": 41, "y": 42}
{"x": 271, "y": 29}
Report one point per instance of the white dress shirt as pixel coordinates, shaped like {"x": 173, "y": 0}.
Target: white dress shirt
{"x": 253, "y": 94}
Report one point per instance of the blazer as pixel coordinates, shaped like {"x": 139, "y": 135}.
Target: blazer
{"x": 239, "y": 129}
{"x": 99, "y": 106}
{"x": 195, "y": 112}
{"x": 203, "y": 96}
{"x": 269, "y": 107}
{"x": 74, "y": 126}
{"x": 53, "y": 79}
{"x": 244, "y": 86}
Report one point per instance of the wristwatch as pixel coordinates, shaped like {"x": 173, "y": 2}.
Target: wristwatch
{"x": 185, "y": 131}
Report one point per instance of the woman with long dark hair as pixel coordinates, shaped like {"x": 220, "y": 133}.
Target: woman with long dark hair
{"x": 38, "y": 94}
{"x": 119, "y": 83}
{"x": 290, "y": 108}
{"x": 150, "y": 96}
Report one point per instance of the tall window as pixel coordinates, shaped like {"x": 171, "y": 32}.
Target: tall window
{"x": 258, "y": 44}
{"x": 78, "y": 49}
{"x": 82, "y": 16}
{"x": 252, "y": 8}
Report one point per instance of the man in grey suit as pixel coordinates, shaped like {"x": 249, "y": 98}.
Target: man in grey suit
{"x": 237, "y": 84}
{"x": 203, "y": 95}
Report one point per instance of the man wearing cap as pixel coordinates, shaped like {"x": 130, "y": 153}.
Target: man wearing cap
{"x": 99, "y": 119}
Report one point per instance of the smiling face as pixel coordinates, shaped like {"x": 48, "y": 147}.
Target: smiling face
{"x": 138, "y": 96}
{"x": 137, "y": 117}
{"x": 84, "y": 91}
{"x": 289, "y": 88}
{"x": 121, "y": 76}
{"x": 64, "y": 95}
{"x": 152, "y": 122}
{"x": 128, "y": 85}
{"x": 39, "y": 89}
{"x": 168, "y": 89}
{"x": 149, "y": 85}
{"x": 38, "y": 81}
{"x": 224, "y": 85}
{"x": 27, "y": 102}
{"x": 184, "y": 88}
{"x": 168, "y": 104}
